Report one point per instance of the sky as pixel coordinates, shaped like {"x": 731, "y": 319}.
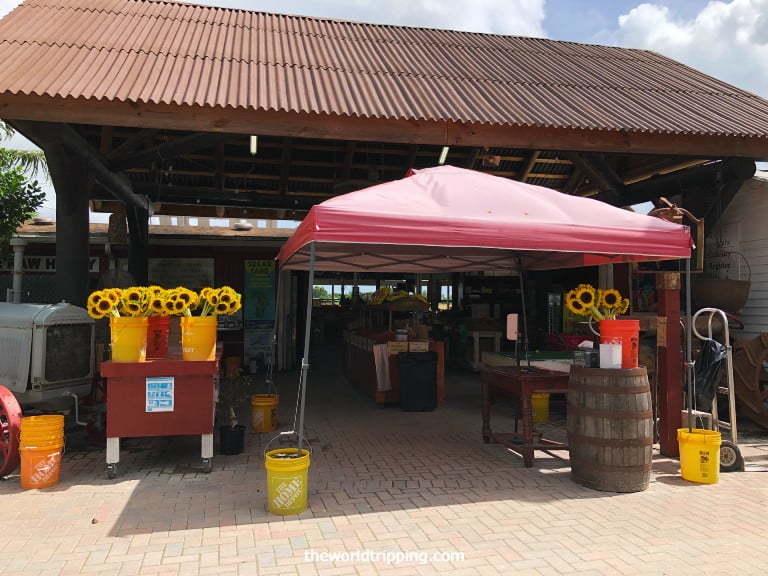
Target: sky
{"x": 726, "y": 39}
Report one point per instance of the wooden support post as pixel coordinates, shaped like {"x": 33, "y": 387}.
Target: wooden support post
{"x": 669, "y": 349}
{"x": 72, "y": 181}
{"x": 138, "y": 243}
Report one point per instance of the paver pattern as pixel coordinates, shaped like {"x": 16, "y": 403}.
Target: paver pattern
{"x": 390, "y": 492}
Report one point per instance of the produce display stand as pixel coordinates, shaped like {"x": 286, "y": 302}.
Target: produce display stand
{"x": 160, "y": 397}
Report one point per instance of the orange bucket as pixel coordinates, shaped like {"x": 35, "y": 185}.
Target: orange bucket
{"x": 157, "y": 336}
{"x": 626, "y": 333}
{"x": 40, "y": 467}
{"x": 41, "y": 440}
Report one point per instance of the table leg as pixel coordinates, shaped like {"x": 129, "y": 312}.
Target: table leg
{"x": 486, "y": 412}
{"x": 526, "y": 413}
{"x": 113, "y": 456}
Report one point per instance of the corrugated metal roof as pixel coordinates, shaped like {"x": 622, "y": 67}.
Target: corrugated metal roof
{"x": 172, "y": 53}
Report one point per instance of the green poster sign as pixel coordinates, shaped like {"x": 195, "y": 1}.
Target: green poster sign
{"x": 259, "y": 293}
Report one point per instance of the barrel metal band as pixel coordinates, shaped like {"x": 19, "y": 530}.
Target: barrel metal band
{"x": 619, "y": 467}
{"x": 613, "y": 415}
{"x": 617, "y": 443}
{"x": 607, "y": 390}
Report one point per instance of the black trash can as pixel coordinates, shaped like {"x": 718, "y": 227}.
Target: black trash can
{"x": 418, "y": 381}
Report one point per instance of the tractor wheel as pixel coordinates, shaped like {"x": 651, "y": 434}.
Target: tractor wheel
{"x": 10, "y": 427}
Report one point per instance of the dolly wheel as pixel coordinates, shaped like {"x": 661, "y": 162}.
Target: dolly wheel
{"x": 731, "y": 459}
{"x": 111, "y": 471}
{"x": 207, "y": 465}
{"x": 10, "y": 427}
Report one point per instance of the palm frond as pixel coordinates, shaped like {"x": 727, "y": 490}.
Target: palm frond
{"x": 31, "y": 161}
{"x": 5, "y": 131}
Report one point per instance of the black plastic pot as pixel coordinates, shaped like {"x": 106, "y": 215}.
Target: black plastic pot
{"x": 231, "y": 439}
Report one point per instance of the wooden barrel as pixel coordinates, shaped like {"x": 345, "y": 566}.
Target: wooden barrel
{"x": 610, "y": 428}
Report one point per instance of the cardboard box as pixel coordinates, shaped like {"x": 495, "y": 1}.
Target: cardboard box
{"x": 418, "y": 346}
{"x": 397, "y": 347}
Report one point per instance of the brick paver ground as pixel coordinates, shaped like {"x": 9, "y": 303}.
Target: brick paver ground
{"x": 391, "y": 493}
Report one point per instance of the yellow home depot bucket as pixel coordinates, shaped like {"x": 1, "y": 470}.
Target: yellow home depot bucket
{"x": 540, "y": 407}
{"x": 264, "y": 412}
{"x": 699, "y": 455}
{"x": 287, "y": 480}
{"x": 198, "y": 337}
{"x": 41, "y": 439}
{"x": 128, "y": 336}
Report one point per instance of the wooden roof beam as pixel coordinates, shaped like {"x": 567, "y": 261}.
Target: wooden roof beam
{"x": 529, "y": 164}
{"x": 140, "y": 138}
{"x": 285, "y": 165}
{"x": 699, "y": 177}
{"x": 602, "y": 175}
{"x": 46, "y": 134}
{"x": 404, "y": 131}
{"x": 184, "y": 145}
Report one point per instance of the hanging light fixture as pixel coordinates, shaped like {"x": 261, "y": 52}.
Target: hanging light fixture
{"x": 254, "y": 145}
{"x": 443, "y": 155}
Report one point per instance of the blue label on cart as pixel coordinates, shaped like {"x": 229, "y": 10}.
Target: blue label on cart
{"x": 160, "y": 394}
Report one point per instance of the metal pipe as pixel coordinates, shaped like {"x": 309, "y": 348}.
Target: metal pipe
{"x": 18, "y": 245}
{"x": 77, "y": 413}
{"x": 688, "y": 337}
{"x": 525, "y": 316}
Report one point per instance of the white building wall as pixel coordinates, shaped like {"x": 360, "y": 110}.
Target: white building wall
{"x": 744, "y": 229}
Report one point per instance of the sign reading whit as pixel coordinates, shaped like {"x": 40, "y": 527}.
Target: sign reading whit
{"x": 42, "y": 264}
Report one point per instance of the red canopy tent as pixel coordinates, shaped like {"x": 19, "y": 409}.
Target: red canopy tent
{"x": 451, "y": 219}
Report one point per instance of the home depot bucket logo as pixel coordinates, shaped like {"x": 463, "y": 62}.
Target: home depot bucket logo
{"x": 258, "y": 419}
{"x": 286, "y": 492}
{"x": 45, "y": 470}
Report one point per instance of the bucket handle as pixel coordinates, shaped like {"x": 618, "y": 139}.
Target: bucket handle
{"x": 592, "y": 329}
{"x": 289, "y": 433}
{"x": 270, "y": 386}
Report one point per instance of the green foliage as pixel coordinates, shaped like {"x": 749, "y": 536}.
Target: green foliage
{"x": 318, "y": 292}
{"x": 31, "y": 162}
{"x": 19, "y": 198}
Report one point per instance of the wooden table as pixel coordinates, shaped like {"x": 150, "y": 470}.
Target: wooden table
{"x": 521, "y": 382}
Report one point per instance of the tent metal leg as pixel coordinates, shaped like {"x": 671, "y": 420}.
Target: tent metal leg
{"x": 305, "y": 359}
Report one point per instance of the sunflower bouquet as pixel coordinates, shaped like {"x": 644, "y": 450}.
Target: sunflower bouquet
{"x": 134, "y": 301}
{"x": 585, "y": 300}
{"x": 208, "y": 302}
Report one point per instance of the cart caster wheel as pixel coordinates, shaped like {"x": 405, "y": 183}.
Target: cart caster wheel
{"x": 207, "y": 465}
{"x": 111, "y": 471}
{"x": 731, "y": 459}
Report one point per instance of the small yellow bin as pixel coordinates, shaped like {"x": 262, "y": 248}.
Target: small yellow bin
{"x": 264, "y": 412}
{"x": 699, "y": 455}
{"x": 540, "y": 407}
